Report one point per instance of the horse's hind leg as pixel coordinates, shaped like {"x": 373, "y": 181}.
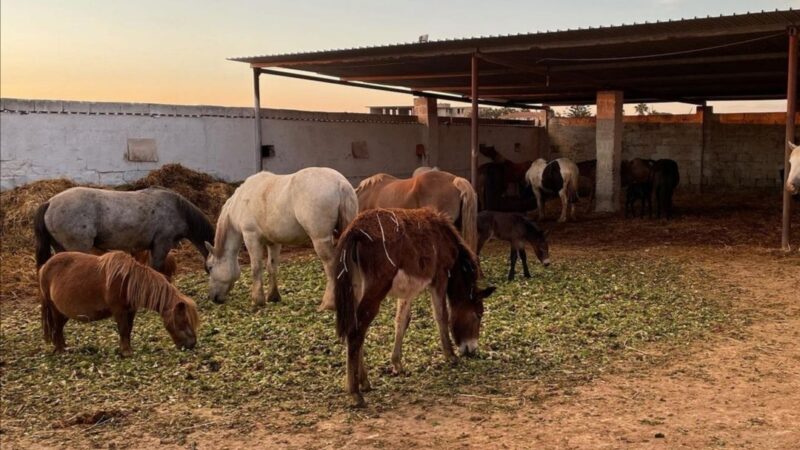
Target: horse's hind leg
{"x": 564, "y": 204}
{"x": 273, "y": 259}
{"x": 524, "y": 257}
{"x": 325, "y": 251}
{"x": 401, "y": 321}
{"x": 59, "y": 320}
{"x": 512, "y": 259}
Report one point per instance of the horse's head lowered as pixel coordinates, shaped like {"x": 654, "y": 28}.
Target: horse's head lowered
{"x": 466, "y": 302}
{"x": 793, "y": 180}
{"x": 538, "y": 240}
{"x": 223, "y": 271}
{"x": 181, "y": 322}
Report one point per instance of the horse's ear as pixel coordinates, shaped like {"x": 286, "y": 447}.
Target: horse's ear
{"x": 791, "y": 145}
{"x": 209, "y": 247}
{"x": 546, "y": 233}
{"x": 483, "y": 293}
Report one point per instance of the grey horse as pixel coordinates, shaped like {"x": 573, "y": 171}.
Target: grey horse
{"x": 154, "y": 219}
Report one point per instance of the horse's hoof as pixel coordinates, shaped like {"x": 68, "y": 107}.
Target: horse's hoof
{"x": 325, "y": 306}
{"x": 358, "y": 401}
{"x": 127, "y": 353}
{"x": 366, "y": 387}
{"x": 453, "y": 360}
{"x": 274, "y": 297}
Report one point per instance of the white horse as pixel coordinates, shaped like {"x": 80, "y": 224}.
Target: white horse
{"x": 558, "y": 176}
{"x": 793, "y": 180}
{"x": 312, "y": 204}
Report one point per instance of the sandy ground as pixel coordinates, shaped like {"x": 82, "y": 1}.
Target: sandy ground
{"x": 738, "y": 389}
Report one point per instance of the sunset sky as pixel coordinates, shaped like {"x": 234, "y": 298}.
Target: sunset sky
{"x": 174, "y": 51}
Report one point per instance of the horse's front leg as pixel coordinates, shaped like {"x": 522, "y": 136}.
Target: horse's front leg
{"x": 124, "y": 321}
{"x": 401, "y": 320}
{"x": 325, "y": 251}
{"x": 524, "y": 257}
{"x": 512, "y": 260}
{"x": 256, "y": 251}
{"x": 438, "y": 302}
{"x": 539, "y": 203}
{"x": 273, "y": 259}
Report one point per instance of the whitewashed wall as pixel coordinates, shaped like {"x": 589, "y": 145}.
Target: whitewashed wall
{"x": 87, "y": 142}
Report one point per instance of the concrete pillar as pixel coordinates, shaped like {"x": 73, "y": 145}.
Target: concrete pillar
{"x": 609, "y": 150}
{"x": 427, "y": 111}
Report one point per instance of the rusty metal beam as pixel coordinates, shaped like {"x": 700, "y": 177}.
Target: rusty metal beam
{"x": 473, "y": 161}
{"x": 257, "y": 118}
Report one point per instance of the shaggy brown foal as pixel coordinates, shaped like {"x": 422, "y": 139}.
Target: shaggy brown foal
{"x": 401, "y": 252}
{"x": 517, "y": 230}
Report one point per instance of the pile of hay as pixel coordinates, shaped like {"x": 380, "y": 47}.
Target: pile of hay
{"x": 20, "y": 204}
{"x": 205, "y": 191}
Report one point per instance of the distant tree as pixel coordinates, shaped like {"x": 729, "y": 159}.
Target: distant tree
{"x": 496, "y": 113}
{"x": 643, "y": 109}
{"x": 579, "y": 111}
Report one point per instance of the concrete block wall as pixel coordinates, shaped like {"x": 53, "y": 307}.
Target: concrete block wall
{"x": 87, "y": 141}
{"x": 743, "y": 150}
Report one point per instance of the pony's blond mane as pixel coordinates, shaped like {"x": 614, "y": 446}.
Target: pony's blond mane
{"x": 373, "y": 180}
{"x": 143, "y": 287}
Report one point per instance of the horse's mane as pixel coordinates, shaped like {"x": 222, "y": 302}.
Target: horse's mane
{"x": 373, "y": 180}
{"x": 223, "y": 222}
{"x": 199, "y": 227}
{"x": 143, "y": 287}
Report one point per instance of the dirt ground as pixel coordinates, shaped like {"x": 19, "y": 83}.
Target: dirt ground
{"x": 738, "y": 389}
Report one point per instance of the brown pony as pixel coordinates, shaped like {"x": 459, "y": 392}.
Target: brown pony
{"x": 169, "y": 268}
{"x": 442, "y": 191}
{"x": 88, "y": 288}
{"x": 401, "y": 252}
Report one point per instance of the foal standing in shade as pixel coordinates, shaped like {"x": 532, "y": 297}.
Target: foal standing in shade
{"x": 558, "y": 176}
{"x": 517, "y": 230}
{"x": 401, "y": 252}
{"x": 87, "y": 288}
{"x": 313, "y": 204}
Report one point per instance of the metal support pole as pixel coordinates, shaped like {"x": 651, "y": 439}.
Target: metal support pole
{"x": 703, "y": 115}
{"x": 474, "y": 139}
{"x": 257, "y": 116}
{"x": 791, "y": 109}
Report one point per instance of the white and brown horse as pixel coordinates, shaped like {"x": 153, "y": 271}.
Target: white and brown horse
{"x": 793, "y": 179}
{"x": 559, "y": 176}
{"x": 401, "y": 252}
{"x": 436, "y": 189}
{"x": 313, "y": 204}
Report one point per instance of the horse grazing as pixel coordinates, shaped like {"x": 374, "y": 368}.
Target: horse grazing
{"x": 87, "y": 288}
{"x": 313, "y": 204}
{"x": 517, "y": 230}
{"x": 637, "y": 179}
{"x": 557, "y": 176}
{"x": 153, "y": 219}
{"x": 665, "y": 179}
{"x": 793, "y": 180}
{"x": 169, "y": 268}
{"x": 400, "y": 252}
{"x": 442, "y": 191}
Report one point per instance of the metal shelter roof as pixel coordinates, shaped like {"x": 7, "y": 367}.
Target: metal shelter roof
{"x": 732, "y": 57}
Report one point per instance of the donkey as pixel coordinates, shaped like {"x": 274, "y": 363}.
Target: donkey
{"x": 665, "y": 179}
{"x": 442, "y": 191}
{"x": 517, "y": 230}
{"x": 313, "y": 204}
{"x": 401, "y": 252}
{"x": 154, "y": 219}
{"x": 87, "y": 288}
{"x": 793, "y": 180}
{"x": 558, "y": 176}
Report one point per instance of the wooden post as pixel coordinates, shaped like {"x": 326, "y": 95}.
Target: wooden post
{"x": 474, "y": 138}
{"x": 791, "y": 110}
{"x": 257, "y": 116}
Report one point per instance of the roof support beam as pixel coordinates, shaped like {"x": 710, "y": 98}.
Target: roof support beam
{"x": 473, "y": 157}
{"x": 791, "y": 109}
{"x": 399, "y": 90}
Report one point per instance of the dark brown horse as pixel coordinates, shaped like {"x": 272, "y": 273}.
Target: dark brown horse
{"x": 517, "y": 230}
{"x": 637, "y": 179}
{"x": 501, "y": 183}
{"x": 666, "y": 177}
{"x": 401, "y": 252}
{"x": 87, "y": 288}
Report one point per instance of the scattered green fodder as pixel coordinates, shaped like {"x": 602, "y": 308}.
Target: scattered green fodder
{"x": 566, "y": 324}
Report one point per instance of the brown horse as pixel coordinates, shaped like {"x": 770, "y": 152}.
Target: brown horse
{"x": 442, "y": 191}
{"x": 88, "y": 288}
{"x": 517, "y": 230}
{"x": 637, "y": 179}
{"x": 169, "y": 268}
{"x": 401, "y": 252}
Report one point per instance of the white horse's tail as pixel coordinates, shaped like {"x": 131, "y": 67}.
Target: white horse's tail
{"x": 571, "y": 176}
{"x": 469, "y": 212}
{"x": 348, "y": 208}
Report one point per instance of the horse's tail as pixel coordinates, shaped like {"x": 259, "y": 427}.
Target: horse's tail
{"x": 344, "y": 297}
{"x": 44, "y": 240}
{"x": 571, "y": 176}
{"x": 348, "y": 208}
{"x": 469, "y": 212}
{"x": 48, "y": 315}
